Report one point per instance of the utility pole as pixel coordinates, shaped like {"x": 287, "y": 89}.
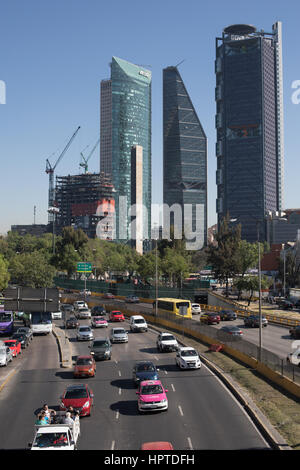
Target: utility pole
{"x": 156, "y": 278}
{"x": 259, "y": 296}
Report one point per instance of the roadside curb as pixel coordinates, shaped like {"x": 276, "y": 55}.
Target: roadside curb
{"x": 64, "y": 347}
{"x": 271, "y": 435}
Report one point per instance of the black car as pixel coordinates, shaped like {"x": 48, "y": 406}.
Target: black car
{"x": 295, "y": 332}
{"x": 22, "y": 338}
{"x": 101, "y": 349}
{"x": 144, "y": 370}
{"x": 25, "y": 330}
{"x": 286, "y": 305}
{"x": 72, "y": 322}
{"x": 98, "y": 311}
{"x": 253, "y": 321}
{"x": 227, "y": 315}
{"x": 67, "y": 308}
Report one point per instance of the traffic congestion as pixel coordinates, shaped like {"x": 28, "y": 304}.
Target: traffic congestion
{"x": 130, "y": 384}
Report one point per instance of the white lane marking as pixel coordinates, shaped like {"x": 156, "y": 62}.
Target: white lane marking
{"x": 116, "y": 362}
{"x": 166, "y": 372}
{"x": 173, "y": 388}
{"x": 112, "y": 445}
{"x": 119, "y": 373}
{"x": 156, "y": 358}
{"x": 117, "y": 414}
{"x": 190, "y": 443}
{"x": 120, "y": 391}
{"x": 180, "y": 410}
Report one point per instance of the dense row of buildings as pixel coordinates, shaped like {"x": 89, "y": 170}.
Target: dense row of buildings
{"x": 116, "y": 203}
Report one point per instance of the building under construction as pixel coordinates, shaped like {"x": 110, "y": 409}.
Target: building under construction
{"x": 86, "y": 201}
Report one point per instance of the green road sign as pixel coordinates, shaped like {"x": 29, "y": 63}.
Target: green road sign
{"x": 84, "y": 267}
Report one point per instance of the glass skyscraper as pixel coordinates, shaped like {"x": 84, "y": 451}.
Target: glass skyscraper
{"x": 249, "y": 123}
{"x": 125, "y": 123}
{"x": 184, "y": 154}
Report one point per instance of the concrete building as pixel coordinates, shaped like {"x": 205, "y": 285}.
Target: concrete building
{"x": 137, "y": 218}
{"x": 282, "y": 227}
{"x": 249, "y": 124}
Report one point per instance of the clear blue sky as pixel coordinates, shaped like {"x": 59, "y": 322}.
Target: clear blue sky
{"x": 54, "y": 54}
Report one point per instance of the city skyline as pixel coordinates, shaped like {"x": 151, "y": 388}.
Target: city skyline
{"x": 44, "y": 108}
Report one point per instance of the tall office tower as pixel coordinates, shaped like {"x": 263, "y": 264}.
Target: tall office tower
{"x": 184, "y": 155}
{"x": 249, "y": 123}
{"x": 105, "y": 128}
{"x": 126, "y": 122}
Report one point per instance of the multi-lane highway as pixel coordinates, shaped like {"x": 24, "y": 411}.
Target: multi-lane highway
{"x": 202, "y": 413}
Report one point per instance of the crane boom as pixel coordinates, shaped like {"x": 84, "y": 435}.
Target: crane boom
{"x": 85, "y": 160}
{"x": 50, "y": 171}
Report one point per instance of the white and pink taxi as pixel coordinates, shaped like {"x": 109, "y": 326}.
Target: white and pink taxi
{"x": 152, "y": 396}
{"x": 99, "y": 322}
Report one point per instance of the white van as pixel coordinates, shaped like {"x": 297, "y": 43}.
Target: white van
{"x": 138, "y": 323}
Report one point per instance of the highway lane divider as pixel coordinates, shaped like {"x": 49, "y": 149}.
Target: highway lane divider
{"x": 63, "y": 346}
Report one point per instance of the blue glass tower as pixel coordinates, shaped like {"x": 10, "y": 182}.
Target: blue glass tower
{"x": 184, "y": 153}
{"x": 249, "y": 124}
{"x": 127, "y": 123}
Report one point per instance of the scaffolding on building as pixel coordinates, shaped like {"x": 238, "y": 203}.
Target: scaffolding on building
{"x": 85, "y": 200}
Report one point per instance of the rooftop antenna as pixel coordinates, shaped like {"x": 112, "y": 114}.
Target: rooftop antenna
{"x": 179, "y": 63}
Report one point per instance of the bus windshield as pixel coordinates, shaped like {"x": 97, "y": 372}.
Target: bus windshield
{"x": 6, "y": 317}
{"x": 41, "y": 318}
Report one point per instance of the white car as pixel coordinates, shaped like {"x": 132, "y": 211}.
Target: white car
{"x": 56, "y": 315}
{"x": 85, "y": 292}
{"x": 166, "y": 342}
{"x": 196, "y": 309}
{"x": 5, "y": 354}
{"x": 80, "y": 303}
{"x": 83, "y": 313}
{"x": 118, "y": 335}
{"x": 188, "y": 358}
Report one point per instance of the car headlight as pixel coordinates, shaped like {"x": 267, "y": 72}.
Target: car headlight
{"x": 164, "y": 400}
{"x": 86, "y": 405}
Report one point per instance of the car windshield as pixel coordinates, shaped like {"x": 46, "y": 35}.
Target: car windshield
{"x": 168, "y": 338}
{"x": 84, "y": 329}
{"x": 189, "y": 352}
{"x": 84, "y": 309}
{"x": 119, "y": 332}
{"x": 233, "y": 328}
{"x": 145, "y": 368}
{"x": 18, "y": 336}
{"x": 51, "y": 440}
{"x": 84, "y": 362}
{"x": 99, "y": 319}
{"x": 76, "y": 393}
{"x": 100, "y": 343}
{"x": 151, "y": 389}
{"x": 72, "y": 319}
{"x": 117, "y": 313}
{"x": 139, "y": 321}
{"x": 11, "y": 343}
{"x": 23, "y": 330}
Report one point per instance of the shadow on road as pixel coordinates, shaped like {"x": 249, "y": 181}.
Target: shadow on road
{"x": 125, "y": 384}
{"x": 126, "y": 407}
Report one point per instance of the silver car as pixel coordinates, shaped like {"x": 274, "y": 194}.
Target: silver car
{"x": 5, "y": 355}
{"x": 118, "y": 335}
{"x": 83, "y": 313}
{"x": 85, "y": 333}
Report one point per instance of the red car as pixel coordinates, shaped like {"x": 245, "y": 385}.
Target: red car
{"x": 210, "y": 318}
{"x": 14, "y": 345}
{"x": 85, "y": 367}
{"x": 80, "y": 397}
{"x": 160, "y": 445}
{"x": 115, "y": 315}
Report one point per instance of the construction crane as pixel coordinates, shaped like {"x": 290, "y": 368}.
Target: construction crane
{"x": 84, "y": 164}
{"x": 50, "y": 171}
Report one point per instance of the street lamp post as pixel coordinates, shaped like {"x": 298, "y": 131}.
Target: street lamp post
{"x": 156, "y": 278}
{"x": 259, "y": 285}
{"x": 53, "y": 211}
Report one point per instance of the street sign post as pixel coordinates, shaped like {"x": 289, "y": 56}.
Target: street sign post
{"x": 84, "y": 267}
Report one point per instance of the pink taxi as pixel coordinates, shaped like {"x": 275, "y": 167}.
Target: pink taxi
{"x": 99, "y": 322}
{"x": 152, "y": 396}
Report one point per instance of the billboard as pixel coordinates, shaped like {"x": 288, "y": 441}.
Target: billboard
{"x": 28, "y": 299}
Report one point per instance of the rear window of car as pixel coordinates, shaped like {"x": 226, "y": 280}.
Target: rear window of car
{"x": 84, "y": 362}
{"x": 145, "y": 368}
{"x": 118, "y": 332}
{"x": 190, "y": 352}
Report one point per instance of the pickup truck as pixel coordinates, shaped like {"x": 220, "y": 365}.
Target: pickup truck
{"x": 56, "y": 436}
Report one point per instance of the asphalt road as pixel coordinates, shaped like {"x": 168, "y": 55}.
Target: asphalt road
{"x": 202, "y": 414}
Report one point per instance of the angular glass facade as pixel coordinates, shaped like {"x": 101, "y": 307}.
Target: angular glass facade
{"x": 249, "y": 163}
{"x": 184, "y": 152}
{"x": 130, "y": 126}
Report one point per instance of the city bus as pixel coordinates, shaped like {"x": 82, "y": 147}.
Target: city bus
{"x": 6, "y": 323}
{"x": 41, "y": 322}
{"x": 172, "y": 305}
